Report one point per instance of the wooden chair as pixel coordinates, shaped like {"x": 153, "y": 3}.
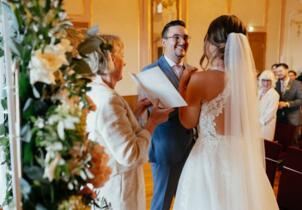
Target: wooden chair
{"x": 290, "y": 187}
{"x": 272, "y": 151}
{"x": 284, "y": 134}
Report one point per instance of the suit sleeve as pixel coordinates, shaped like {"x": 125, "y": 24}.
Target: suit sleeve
{"x": 127, "y": 142}
{"x": 298, "y": 100}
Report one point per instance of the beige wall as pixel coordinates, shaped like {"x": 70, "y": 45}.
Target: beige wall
{"x": 251, "y": 12}
{"x": 199, "y": 15}
{"x": 263, "y": 15}
{"x": 122, "y": 18}
{"x": 273, "y": 32}
{"x": 115, "y": 17}
{"x": 292, "y": 45}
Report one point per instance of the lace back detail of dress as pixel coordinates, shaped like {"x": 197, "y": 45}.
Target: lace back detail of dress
{"x": 209, "y": 111}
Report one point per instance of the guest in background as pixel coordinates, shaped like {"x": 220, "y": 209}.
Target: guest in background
{"x": 273, "y": 68}
{"x": 299, "y": 78}
{"x": 292, "y": 74}
{"x": 290, "y": 92}
{"x": 268, "y": 101}
{"x": 115, "y": 126}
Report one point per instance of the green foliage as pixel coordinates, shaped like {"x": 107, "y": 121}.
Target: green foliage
{"x": 55, "y": 152}
{"x": 1, "y": 47}
{"x": 4, "y": 144}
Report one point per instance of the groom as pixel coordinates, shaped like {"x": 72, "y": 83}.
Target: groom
{"x": 171, "y": 142}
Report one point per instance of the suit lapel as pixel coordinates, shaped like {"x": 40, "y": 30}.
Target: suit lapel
{"x": 278, "y": 87}
{"x": 288, "y": 87}
{"x": 164, "y": 66}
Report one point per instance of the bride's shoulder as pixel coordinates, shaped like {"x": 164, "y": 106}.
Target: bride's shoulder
{"x": 202, "y": 75}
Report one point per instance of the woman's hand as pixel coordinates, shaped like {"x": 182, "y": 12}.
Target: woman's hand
{"x": 157, "y": 116}
{"x": 141, "y": 106}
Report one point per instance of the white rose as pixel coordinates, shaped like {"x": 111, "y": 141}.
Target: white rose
{"x": 44, "y": 64}
{"x": 50, "y": 169}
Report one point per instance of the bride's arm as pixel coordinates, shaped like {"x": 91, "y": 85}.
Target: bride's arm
{"x": 191, "y": 91}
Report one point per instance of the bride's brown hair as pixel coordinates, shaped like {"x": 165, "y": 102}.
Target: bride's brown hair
{"x": 217, "y": 34}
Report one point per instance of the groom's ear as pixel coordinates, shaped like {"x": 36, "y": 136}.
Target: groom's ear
{"x": 163, "y": 42}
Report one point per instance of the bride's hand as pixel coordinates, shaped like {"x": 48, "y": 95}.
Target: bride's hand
{"x": 185, "y": 78}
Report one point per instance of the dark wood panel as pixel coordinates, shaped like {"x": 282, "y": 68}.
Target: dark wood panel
{"x": 131, "y": 100}
{"x": 258, "y": 45}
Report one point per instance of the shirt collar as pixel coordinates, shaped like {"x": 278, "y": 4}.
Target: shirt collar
{"x": 172, "y": 63}
{"x": 285, "y": 81}
{"x": 98, "y": 80}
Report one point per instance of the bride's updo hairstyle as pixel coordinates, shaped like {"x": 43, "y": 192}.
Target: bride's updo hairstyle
{"x": 217, "y": 35}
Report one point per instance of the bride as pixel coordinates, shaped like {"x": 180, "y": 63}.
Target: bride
{"x": 225, "y": 169}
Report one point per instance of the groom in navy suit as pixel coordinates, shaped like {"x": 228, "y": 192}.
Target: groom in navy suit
{"x": 171, "y": 142}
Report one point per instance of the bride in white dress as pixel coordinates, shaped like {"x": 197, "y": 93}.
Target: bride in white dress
{"x": 225, "y": 169}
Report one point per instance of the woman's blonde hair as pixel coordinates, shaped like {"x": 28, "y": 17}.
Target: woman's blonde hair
{"x": 267, "y": 75}
{"x": 106, "y": 65}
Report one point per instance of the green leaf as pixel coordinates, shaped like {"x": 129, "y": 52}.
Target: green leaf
{"x": 27, "y": 154}
{"x": 33, "y": 172}
{"x": 4, "y": 103}
{"x": 24, "y": 86}
{"x": 4, "y": 141}
{"x": 26, "y": 133}
{"x": 2, "y": 129}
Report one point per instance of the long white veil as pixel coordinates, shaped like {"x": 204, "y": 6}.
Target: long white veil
{"x": 242, "y": 129}
{"x": 241, "y": 111}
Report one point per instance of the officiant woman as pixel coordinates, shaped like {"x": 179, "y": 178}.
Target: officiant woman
{"x": 115, "y": 126}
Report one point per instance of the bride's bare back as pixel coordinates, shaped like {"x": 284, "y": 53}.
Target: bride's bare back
{"x": 203, "y": 87}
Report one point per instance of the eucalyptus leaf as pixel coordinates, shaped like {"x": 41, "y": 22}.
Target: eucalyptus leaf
{"x": 4, "y": 103}
{"x": 27, "y": 154}
{"x": 25, "y": 189}
{"x": 33, "y": 172}
{"x": 24, "y": 86}
{"x": 2, "y": 129}
{"x": 26, "y": 133}
{"x": 40, "y": 207}
{"x": 4, "y": 141}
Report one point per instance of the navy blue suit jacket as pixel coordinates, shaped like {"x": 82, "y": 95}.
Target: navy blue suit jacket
{"x": 171, "y": 142}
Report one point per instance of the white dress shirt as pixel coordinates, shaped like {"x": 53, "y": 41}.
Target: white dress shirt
{"x": 177, "y": 68}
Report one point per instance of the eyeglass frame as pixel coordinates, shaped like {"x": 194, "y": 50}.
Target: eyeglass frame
{"x": 177, "y": 37}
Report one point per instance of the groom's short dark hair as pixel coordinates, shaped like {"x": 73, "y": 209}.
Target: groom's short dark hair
{"x": 284, "y": 65}
{"x": 170, "y": 24}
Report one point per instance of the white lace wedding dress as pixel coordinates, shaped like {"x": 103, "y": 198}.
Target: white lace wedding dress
{"x": 215, "y": 177}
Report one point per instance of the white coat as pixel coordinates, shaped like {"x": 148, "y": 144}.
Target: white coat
{"x": 268, "y": 113}
{"x": 114, "y": 126}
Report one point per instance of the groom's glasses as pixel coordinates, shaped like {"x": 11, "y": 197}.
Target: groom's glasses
{"x": 178, "y": 37}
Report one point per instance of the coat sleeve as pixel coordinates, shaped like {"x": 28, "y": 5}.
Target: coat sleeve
{"x": 271, "y": 109}
{"x": 125, "y": 139}
{"x": 298, "y": 99}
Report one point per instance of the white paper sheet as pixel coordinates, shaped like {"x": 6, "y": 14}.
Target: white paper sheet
{"x": 156, "y": 85}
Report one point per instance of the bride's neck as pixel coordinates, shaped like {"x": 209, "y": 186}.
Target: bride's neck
{"x": 217, "y": 64}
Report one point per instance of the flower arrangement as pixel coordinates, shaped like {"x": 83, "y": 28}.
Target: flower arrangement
{"x": 61, "y": 167}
